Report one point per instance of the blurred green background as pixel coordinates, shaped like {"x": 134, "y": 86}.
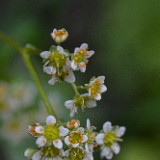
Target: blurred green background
{"x": 126, "y": 38}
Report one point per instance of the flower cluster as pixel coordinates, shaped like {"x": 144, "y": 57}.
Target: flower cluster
{"x": 56, "y": 141}
{"x": 94, "y": 88}
{"x": 61, "y": 64}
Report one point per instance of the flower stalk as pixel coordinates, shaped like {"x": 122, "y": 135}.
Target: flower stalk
{"x": 6, "y": 39}
{"x": 75, "y": 89}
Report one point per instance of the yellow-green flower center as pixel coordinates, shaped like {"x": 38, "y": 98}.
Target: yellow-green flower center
{"x": 51, "y": 132}
{"x": 60, "y": 33}
{"x": 96, "y": 87}
{"x": 91, "y": 137}
{"x": 110, "y": 138}
{"x": 76, "y": 154}
{"x": 80, "y": 56}
{"x": 57, "y": 59}
{"x": 79, "y": 101}
{"x": 73, "y": 123}
{"x": 50, "y": 151}
{"x": 75, "y": 137}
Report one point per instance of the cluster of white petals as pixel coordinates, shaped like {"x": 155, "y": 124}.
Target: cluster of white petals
{"x": 80, "y": 58}
{"x": 44, "y": 135}
{"x": 56, "y": 140}
{"x": 95, "y": 88}
{"x": 57, "y": 65}
{"x": 60, "y": 63}
{"x": 59, "y": 35}
{"x": 81, "y": 101}
{"x": 109, "y": 138}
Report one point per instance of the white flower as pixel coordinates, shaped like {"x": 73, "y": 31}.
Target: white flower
{"x": 51, "y": 132}
{"x": 60, "y": 35}
{"x": 89, "y": 102}
{"x": 78, "y": 153}
{"x": 29, "y": 153}
{"x": 73, "y": 124}
{"x": 89, "y": 153}
{"x": 80, "y": 58}
{"x": 58, "y": 65}
{"x": 81, "y": 101}
{"x": 76, "y": 138}
{"x": 96, "y": 87}
{"x": 89, "y": 146}
{"x": 69, "y": 104}
{"x": 108, "y": 140}
{"x": 66, "y": 75}
{"x": 45, "y": 153}
{"x": 56, "y": 57}
{"x": 37, "y": 156}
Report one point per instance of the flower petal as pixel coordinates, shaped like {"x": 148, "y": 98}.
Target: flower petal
{"x": 66, "y": 140}
{"x": 105, "y": 151}
{"x": 41, "y": 141}
{"x": 98, "y": 97}
{"x": 60, "y": 49}
{"x": 101, "y": 78}
{"x": 99, "y": 138}
{"x": 56, "y": 158}
{"x": 57, "y": 39}
{"x": 53, "y": 80}
{"x": 70, "y": 78}
{"x": 107, "y": 126}
{"x": 58, "y": 143}
{"x": 89, "y": 156}
{"x": 84, "y": 46}
{"x": 68, "y": 104}
{"x": 73, "y": 111}
{"x": 49, "y": 70}
{"x": 120, "y": 131}
{"x": 81, "y": 129}
{"x": 88, "y": 125}
{"x": 109, "y": 156}
{"x": 63, "y": 131}
{"x": 73, "y": 65}
{"x": 53, "y": 35}
{"x": 50, "y": 120}
{"x": 82, "y": 67}
{"x": 45, "y": 54}
{"x": 91, "y": 103}
{"x": 75, "y": 145}
{"x": 103, "y": 89}
{"x": 37, "y": 156}
{"x": 91, "y": 54}
{"x": 116, "y": 148}
{"x": 39, "y": 129}
{"x": 76, "y": 50}
{"x": 85, "y": 138}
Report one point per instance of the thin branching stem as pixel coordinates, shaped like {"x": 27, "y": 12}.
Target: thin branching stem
{"x": 26, "y": 57}
{"x": 75, "y": 89}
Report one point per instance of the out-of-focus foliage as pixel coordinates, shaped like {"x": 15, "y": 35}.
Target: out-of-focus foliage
{"x": 126, "y": 38}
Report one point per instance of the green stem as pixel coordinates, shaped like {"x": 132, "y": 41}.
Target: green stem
{"x": 31, "y": 69}
{"x": 35, "y": 77}
{"x": 75, "y": 89}
{"x": 11, "y": 43}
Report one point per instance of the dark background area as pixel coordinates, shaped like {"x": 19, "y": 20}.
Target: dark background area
{"x": 125, "y": 36}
